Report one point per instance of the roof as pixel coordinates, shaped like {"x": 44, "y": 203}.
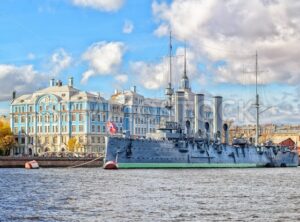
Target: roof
{"x": 62, "y": 93}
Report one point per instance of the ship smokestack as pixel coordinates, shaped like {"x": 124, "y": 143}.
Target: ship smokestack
{"x": 179, "y": 107}
{"x": 218, "y": 115}
{"x": 226, "y": 133}
{"x": 199, "y": 114}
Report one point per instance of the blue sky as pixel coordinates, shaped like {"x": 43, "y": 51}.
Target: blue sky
{"x": 62, "y": 38}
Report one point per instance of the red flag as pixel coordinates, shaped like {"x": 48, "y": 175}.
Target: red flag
{"x": 111, "y": 127}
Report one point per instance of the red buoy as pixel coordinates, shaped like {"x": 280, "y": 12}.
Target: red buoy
{"x": 111, "y": 165}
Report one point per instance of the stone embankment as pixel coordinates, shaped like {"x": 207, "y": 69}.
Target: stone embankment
{"x": 47, "y": 162}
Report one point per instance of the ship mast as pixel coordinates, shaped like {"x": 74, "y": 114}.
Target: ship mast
{"x": 256, "y": 102}
{"x": 169, "y": 90}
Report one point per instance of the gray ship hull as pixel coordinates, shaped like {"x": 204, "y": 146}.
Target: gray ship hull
{"x": 149, "y": 153}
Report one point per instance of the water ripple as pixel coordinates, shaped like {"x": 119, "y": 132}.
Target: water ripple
{"x": 149, "y": 195}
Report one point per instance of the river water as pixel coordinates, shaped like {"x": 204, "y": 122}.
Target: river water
{"x": 150, "y": 195}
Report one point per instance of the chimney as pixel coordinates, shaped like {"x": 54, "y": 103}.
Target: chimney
{"x": 70, "y": 81}
{"x": 58, "y": 83}
{"x": 14, "y": 94}
{"x": 51, "y": 82}
{"x": 199, "y": 114}
{"x": 133, "y": 89}
{"x": 218, "y": 116}
{"x": 226, "y": 133}
{"x": 179, "y": 108}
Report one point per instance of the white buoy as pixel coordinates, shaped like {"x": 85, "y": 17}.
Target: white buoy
{"x": 31, "y": 165}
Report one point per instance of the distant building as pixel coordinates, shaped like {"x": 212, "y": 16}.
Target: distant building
{"x": 131, "y": 111}
{"x": 285, "y": 135}
{"x": 290, "y": 144}
{"x": 46, "y": 119}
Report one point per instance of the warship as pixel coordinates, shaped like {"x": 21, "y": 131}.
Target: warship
{"x": 176, "y": 145}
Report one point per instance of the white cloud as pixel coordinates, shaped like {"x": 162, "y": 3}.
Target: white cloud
{"x": 23, "y": 79}
{"x": 60, "y": 60}
{"x": 31, "y": 56}
{"x": 156, "y": 75}
{"x": 232, "y": 31}
{"x": 122, "y": 78}
{"x": 102, "y": 5}
{"x": 104, "y": 58}
{"x": 128, "y": 27}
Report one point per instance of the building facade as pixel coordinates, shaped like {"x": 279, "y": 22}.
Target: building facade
{"x": 46, "y": 120}
{"x": 131, "y": 111}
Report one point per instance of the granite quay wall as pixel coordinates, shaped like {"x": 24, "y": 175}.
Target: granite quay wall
{"x": 47, "y": 162}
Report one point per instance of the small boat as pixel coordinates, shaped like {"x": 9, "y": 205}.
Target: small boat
{"x": 31, "y": 165}
{"x": 111, "y": 165}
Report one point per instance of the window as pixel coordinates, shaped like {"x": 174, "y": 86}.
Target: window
{"x": 81, "y": 117}
{"x": 16, "y": 119}
{"x": 99, "y": 139}
{"x": 30, "y": 109}
{"x": 55, "y": 139}
{"x": 80, "y": 128}
{"x": 46, "y": 118}
{"x": 73, "y": 128}
{"x": 81, "y": 140}
{"x": 22, "y": 119}
{"x": 93, "y": 128}
{"x": 73, "y": 117}
{"x": 93, "y": 139}
{"x": 99, "y": 129}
